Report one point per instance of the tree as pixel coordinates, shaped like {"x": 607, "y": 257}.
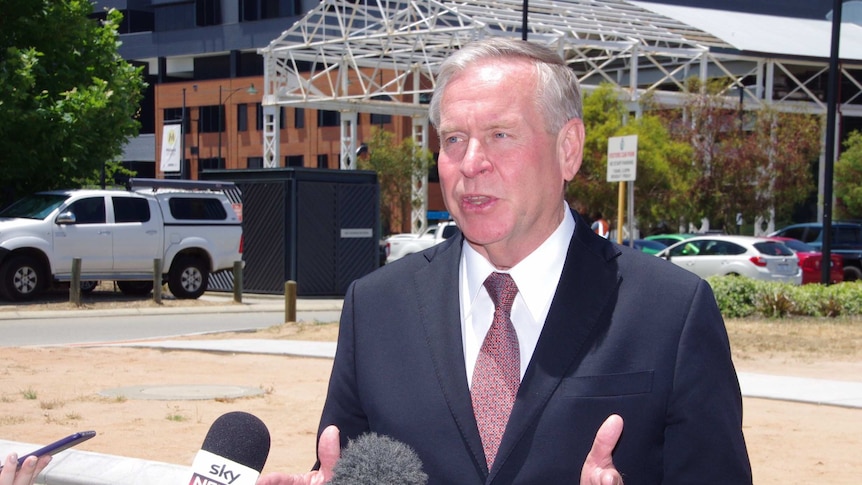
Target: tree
{"x": 848, "y": 178}
{"x": 755, "y": 165}
{"x": 662, "y": 166}
{"x": 396, "y": 166}
{"x": 67, "y": 98}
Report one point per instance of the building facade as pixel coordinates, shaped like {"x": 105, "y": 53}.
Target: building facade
{"x": 200, "y": 60}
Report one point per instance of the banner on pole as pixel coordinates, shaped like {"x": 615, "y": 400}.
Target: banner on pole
{"x": 171, "y": 148}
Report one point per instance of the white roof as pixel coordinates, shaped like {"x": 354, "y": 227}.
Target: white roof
{"x": 781, "y": 36}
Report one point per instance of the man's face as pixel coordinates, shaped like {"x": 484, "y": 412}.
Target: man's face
{"x": 501, "y": 172}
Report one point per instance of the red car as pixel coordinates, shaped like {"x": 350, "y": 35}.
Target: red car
{"x": 810, "y": 261}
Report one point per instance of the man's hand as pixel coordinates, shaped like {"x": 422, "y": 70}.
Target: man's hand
{"x": 599, "y": 465}
{"x": 328, "y": 452}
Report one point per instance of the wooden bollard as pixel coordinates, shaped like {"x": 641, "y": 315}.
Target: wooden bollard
{"x": 157, "y": 281}
{"x": 290, "y": 301}
{"x": 237, "y": 281}
{"x": 75, "y": 284}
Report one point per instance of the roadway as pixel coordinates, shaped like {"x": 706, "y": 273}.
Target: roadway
{"x": 20, "y": 327}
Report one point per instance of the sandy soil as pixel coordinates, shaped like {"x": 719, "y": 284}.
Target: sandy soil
{"x": 46, "y": 393}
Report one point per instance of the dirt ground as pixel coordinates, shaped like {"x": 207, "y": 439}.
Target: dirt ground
{"x": 46, "y": 393}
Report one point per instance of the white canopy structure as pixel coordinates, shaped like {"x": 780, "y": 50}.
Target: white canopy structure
{"x": 381, "y": 56}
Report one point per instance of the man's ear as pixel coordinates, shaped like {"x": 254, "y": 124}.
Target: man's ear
{"x": 571, "y": 147}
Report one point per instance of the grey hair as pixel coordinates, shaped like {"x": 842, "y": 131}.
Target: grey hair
{"x": 557, "y": 91}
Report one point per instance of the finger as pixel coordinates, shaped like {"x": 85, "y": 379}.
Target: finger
{"x": 329, "y": 450}
{"x": 606, "y": 440}
{"x": 8, "y": 472}
{"x": 26, "y": 475}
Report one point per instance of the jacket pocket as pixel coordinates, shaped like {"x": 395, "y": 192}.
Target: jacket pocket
{"x": 608, "y": 385}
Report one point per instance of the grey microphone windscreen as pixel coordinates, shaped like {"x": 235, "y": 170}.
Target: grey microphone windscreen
{"x": 373, "y": 459}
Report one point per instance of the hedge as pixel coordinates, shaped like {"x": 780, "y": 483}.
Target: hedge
{"x": 740, "y": 297}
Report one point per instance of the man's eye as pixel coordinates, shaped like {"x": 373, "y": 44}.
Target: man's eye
{"x": 451, "y": 140}
{"x": 501, "y": 135}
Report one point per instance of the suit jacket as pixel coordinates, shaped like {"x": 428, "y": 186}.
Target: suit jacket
{"x": 627, "y": 333}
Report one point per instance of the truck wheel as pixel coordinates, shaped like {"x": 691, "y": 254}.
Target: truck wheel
{"x": 852, "y": 273}
{"x": 21, "y": 278}
{"x": 188, "y": 278}
{"x": 135, "y": 288}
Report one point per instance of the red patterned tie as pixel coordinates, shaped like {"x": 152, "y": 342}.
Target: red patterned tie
{"x": 498, "y": 368}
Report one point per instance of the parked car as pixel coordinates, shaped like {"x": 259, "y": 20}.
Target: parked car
{"x": 400, "y": 245}
{"x": 669, "y": 239}
{"x": 811, "y": 260}
{"x": 846, "y": 241}
{"x": 190, "y": 226}
{"x": 645, "y": 245}
{"x": 754, "y": 257}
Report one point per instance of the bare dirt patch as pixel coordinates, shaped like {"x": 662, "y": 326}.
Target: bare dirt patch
{"x": 49, "y": 392}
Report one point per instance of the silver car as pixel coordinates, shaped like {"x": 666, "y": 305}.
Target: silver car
{"x": 754, "y": 257}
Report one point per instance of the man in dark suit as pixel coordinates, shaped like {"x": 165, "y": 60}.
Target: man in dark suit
{"x": 583, "y": 329}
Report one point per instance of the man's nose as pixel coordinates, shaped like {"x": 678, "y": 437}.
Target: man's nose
{"x": 475, "y": 159}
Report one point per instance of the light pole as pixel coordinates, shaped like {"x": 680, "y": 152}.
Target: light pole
{"x": 251, "y": 90}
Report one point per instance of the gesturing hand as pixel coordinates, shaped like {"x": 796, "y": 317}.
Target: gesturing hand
{"x": 599, "y": 466}
{"x": 328, "y": 452}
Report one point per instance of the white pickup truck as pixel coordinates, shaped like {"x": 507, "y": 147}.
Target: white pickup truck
{"x": 117, "y": 235}
{"x": 401, "y": 245}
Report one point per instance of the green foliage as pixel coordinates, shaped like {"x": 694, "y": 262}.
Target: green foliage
{"x": 739, "y": 297}
{"x": 113, "y": 171}
{"x": 662, "y": 171}
{"x": 848, "y": 178}
{"x": 396, "y": 166}
{"x": 67, "y": 98}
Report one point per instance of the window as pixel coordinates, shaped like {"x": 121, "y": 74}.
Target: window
{"x": 299, "y": 117}
{"x": 197, "y": 209}
{"x": 259, "y": 121}
{"x": 328, "y": 118}
{"x": 175, "y": 115}
{"x": 293, "y": 161}
{"x": 130, "y": 209}
{"x": 211, "y": 119}
{"x": 207, "y": 12}
{"x": 254, "y": 162}
{"x": 380, "y": 119}
{"x": 88, "y": 211}
{"x": 323, "y": 161}
{"x": 210, "y": 164}
{"x": 242, "y": 117}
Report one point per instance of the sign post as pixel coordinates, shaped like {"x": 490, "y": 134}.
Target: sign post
{"x": 622, "y": 168}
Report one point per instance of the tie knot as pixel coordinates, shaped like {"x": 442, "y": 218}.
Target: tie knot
{"x": 502, "y": 289}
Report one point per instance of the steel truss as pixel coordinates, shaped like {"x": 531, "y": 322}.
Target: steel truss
{"x": 381, "y": 56}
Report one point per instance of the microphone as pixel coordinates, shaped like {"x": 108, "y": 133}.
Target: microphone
{"x": 233, "y": 453}
{"x": 373, "y": 459}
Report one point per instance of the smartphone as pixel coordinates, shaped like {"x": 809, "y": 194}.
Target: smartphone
{"x": 58, "y": 446}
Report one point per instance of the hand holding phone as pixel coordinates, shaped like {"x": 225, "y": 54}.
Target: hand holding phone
{"x": 58, "y": 446}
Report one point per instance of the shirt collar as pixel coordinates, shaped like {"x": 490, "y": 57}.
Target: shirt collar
{"x": 537, "y": 275}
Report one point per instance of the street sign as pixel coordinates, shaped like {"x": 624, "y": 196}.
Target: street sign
{"x": 622, "y": 158}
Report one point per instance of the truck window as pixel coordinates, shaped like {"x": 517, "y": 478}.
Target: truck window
{"x": 89, "y": 211}
{"x": 197, "y": 209}
{"x": 129, "y": 209}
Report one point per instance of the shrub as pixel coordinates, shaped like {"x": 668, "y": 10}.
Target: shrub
{"x": 739, "y": 297}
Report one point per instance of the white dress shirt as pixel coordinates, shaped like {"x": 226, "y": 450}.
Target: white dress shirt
{"x": 537, "y": 277}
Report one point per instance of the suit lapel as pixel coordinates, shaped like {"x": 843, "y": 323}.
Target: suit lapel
{"x": 587, "y": 286}
{"x": 437, "y": 289}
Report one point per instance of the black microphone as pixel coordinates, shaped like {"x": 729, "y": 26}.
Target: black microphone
{"x": 233, "y": 453}
{"x": 373, "y": 459}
